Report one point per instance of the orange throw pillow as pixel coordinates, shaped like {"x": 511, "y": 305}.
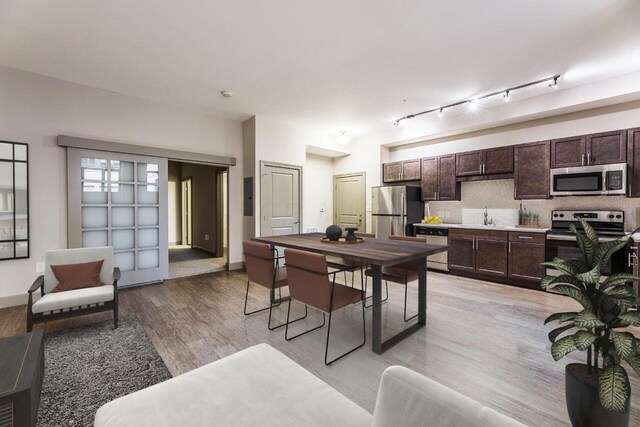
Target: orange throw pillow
{"x": 77, "y": 276}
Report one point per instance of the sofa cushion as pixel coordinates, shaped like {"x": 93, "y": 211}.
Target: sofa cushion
{"x": 75, "y": 256}
{"x": 258, "y": 386}
{"x": 407, "y": 399}
{"x": 77, "y": 276}
{"x": 73, "y": 298}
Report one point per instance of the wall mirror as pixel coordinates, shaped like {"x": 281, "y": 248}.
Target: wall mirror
{"x": 14, "y": 200}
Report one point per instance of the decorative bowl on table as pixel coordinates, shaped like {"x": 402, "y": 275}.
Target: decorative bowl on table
{"x": 333, "y": 232}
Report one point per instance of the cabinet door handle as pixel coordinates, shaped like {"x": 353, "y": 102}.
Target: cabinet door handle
{"x": 582, "y": 159}
{"x": 588, "y": 159}
{"x": 509, "y": 247}
{"x": 435, "y": 195}
{"x": 524, "y": 237}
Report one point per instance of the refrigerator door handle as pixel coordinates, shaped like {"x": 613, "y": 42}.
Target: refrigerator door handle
{"x": 404, "y": 217}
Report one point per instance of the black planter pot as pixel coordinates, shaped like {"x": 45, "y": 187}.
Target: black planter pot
{"x": 583, "y": 402}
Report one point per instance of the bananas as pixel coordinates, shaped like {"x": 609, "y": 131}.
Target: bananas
{"x": 432, "y": 219}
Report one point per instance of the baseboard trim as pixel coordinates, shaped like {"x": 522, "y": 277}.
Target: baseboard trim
{"x": 13, "y": 300}
{"x": 236, "y": 266}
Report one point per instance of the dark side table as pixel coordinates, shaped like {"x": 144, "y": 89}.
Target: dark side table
{"x": 21, "y": 373}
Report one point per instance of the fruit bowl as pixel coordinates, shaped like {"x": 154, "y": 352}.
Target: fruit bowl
{"x": 432, "y": 219}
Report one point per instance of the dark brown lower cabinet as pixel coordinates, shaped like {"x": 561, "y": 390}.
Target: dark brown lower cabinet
{"x": 506, "y": 257}
{"x": 491, "y": 256}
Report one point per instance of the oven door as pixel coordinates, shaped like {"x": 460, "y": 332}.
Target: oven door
{"x": 566, "y": 248}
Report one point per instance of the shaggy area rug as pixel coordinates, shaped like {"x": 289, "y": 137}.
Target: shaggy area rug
{"x": 88, "y": 366}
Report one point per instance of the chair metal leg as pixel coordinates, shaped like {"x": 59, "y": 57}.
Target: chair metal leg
{"x": 272, "y": 328}
{"x": 286, "y": 329}
{"x": 364, "y": 340}
{"x": 272, "y": 301}
{"x": 406, "y": 288}
{"x": 386, "y": 286}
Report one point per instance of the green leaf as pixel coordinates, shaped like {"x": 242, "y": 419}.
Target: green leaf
{"x": 618, "y": 279}
{"x": 589, "y": 232}
{"x": 634, "y": 362}
{"x": 631, "y": 318}
{"x": 576, "y": 294}
{"x": 606, "y": 249}
{"x": 624, "y": 343}
{"x": 586, "y": 319}
{"x": 553, "y": 335}
{"x": 584, "y": 339}
{"x": 614, "y": 388}
{"x": 587, "y": 247}
{"x": 559, "y": 280}
{"x": 563, "y": 266}
{"x": 562, "y": 347}
{"x": 621, "y": 291}
{"x": 592, "y": 276}
{"x": 561, "y": 317}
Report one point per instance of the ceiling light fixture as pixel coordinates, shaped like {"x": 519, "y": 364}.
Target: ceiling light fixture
{"x": 226, "y": 93}
{"x": 473, "y": 102}
{"x": 441, "y": 113}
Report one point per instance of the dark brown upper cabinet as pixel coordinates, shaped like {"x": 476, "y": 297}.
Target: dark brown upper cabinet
{"x": 392, "y": 172}
{"x": 568, "y": 152}
{"x": 633, "y": 161}
{"x": 411, "y": 170}
{"x": 491, "y": 163}
{"x": 439, "y": 179}
{"x": 407, "y": 170}
{"x": 469, "y": 163}
{"x": 595, "y": 149}
{"x": 531, "y": 171}
{"x": 607, "y": 147}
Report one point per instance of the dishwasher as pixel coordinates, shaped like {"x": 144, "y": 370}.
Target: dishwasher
{"x": 435, "y": 236}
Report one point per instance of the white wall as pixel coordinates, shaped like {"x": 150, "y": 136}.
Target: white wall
{"x": 174, "y": 213}
{"x": 36, "y": 109}
{"x": 318, "y": 192}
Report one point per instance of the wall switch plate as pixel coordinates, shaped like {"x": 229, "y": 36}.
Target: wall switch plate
{"x": 39, "y": 267}
{"x": 206, "y": 237}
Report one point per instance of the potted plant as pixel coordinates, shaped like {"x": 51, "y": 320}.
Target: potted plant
{"x": 597, "y": 392}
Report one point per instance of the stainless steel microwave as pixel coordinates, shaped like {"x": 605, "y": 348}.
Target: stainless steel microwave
{"x": 589, "y": 180}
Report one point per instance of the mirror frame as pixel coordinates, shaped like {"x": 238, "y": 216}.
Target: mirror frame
{"x": 13, "y": 161}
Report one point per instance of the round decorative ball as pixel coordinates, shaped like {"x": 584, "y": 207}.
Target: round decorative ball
{"x": 333, "y": 232}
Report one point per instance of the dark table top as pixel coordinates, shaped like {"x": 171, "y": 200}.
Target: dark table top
{"x": 373, "y": 251}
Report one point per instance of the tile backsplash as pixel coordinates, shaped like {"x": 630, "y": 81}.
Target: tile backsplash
{"x": 497, "y": 195}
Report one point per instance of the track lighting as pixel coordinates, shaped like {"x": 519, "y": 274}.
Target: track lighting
{"x": 473, "y": 103}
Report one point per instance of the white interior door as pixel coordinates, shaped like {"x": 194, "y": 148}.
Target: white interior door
{"x": 349, "y": 201}
{"x": 279, "y": 200}
{"x": 120, "y": 200}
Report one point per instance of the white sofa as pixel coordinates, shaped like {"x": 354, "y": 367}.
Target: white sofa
{"x": 260, "y": 386}
{"x": 76, "y": 302}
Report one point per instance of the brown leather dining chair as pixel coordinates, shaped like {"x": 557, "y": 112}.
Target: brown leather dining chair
{"x": 263, "y": 268}
{"x": 310, "y": 284}
{"x": 401, "y": 273}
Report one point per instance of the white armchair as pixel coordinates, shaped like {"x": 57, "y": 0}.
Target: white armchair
{"x": 76, "y": 302}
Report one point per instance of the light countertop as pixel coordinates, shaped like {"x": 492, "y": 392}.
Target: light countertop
{"x": 486, "y": 227}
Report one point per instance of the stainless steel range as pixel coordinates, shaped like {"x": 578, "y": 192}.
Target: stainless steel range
{"x": 561, "y": 243}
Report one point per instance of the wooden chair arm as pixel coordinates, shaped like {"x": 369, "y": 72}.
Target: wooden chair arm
{"x": 37, "y": 284}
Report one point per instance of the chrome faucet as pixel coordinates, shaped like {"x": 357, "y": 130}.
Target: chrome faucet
{"x": 486, "y": 215}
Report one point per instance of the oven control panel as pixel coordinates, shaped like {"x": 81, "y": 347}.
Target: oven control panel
{"x": 595, "y": 216}
{"x": 614, "y": 180}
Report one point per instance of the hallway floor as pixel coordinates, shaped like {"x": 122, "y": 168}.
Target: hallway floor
{"x": 185, "y": 261}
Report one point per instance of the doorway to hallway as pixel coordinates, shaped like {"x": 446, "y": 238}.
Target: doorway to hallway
{"x": 197, "y": 200}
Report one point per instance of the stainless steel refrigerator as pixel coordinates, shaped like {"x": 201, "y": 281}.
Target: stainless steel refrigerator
{"x": 394, "y": 210}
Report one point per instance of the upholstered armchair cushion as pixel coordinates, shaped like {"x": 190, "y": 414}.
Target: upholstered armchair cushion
{"x": 406, "y": 398}
{"x": 73, "y": 298}
{"x": 77, "y": 256}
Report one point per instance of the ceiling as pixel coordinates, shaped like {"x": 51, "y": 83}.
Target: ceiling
{"x": 328, "y": 64}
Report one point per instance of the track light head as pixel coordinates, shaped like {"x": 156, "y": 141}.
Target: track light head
{"x": 505, "y": 95}
{"x": 554, "y": 84}
{"x": 396, "y": 123}
{"x": 441, "y": 113}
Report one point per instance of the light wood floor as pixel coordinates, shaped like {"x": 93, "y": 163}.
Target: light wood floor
{"x": 484, "y": 340}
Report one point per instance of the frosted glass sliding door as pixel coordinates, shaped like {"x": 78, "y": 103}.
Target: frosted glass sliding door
{"x": 120, "y": 200}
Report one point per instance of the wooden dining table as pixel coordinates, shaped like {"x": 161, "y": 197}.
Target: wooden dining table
{"x": 377, "y": 253}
